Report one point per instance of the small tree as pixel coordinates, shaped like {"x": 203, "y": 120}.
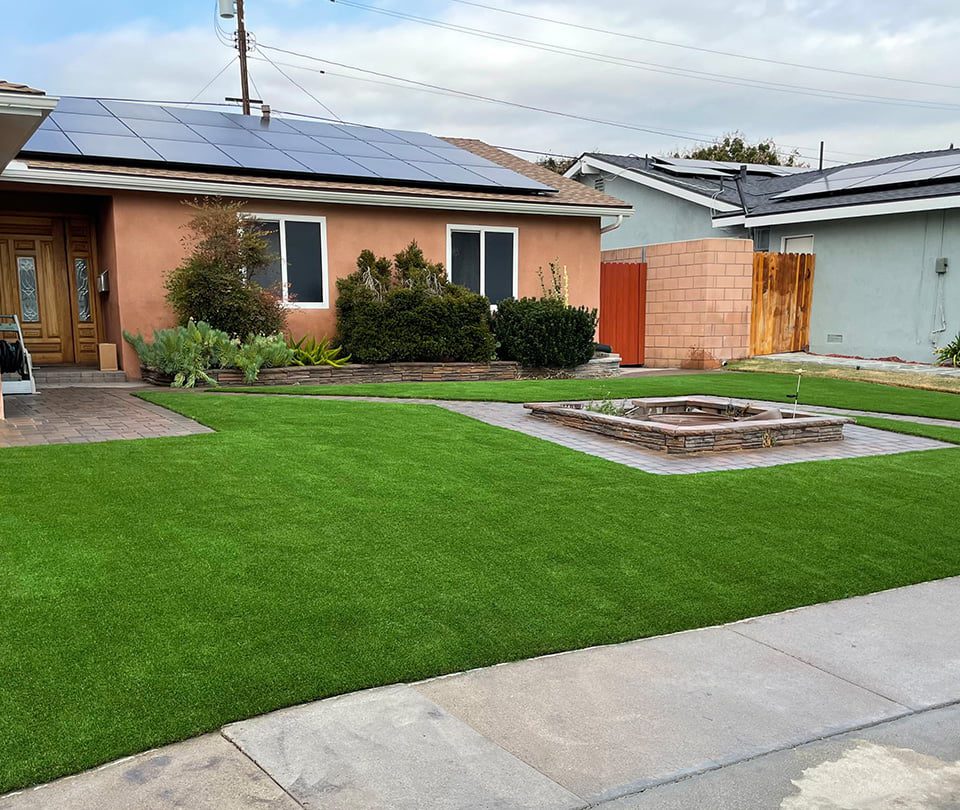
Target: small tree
{"x": 733, "y": 147}
{"x": 555, "y": 163}
{"x": 213, "y": 284}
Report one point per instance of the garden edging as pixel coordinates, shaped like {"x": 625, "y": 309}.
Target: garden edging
{"x": 377, "y": 373}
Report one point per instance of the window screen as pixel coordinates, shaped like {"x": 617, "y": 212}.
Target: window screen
{"x": 498, "y": 265}
{"x": 465, "y": 259}
{"x": 304, "y": 262}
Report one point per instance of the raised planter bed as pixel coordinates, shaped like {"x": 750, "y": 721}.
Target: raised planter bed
{"x": 376, "y": 373}
{"x": 683, "y": 425}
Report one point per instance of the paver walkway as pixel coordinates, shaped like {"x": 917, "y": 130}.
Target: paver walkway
{"x": 852, "y": 704}
{"x": 858, "y": 441}
{"x": 80, "y": 415}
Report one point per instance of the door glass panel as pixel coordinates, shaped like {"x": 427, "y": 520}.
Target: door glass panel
{"x": 82, "y": 273}
{"x": 498, "y": 258}
{"x": 269, "y": 277}
{"x": 465, "y": 259}
{"x": 304, "y": 262}
{"x": 29, "y": 300}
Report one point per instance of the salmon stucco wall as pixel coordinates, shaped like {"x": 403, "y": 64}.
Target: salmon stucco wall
{"x": 147, "y": 241}
{"x": 698, "y": 300}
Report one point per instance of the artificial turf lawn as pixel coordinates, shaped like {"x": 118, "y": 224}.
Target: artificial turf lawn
{"x": 152, "y": 590}
{"x": 774, "y": 387}
{"x": 942, "y": 433}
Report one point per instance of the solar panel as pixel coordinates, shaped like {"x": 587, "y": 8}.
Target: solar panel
{"x": 265, "y": 158}
{"x": 190, "y": 152}
{"x": 170, "y": 130}
{"x": 94, "y": 124}
{"x": 332, "y": 164}
{"x": 351, "y": 147}
{"x": 112, "y": 146}
{"x": 823, "y": 185}
{"x": 122, "y": 130}
{"x": 902, "y": 177}
{"x": 878, "y": 175}
{"x": 228, "y": 136}
{"x": 293, "y": 142}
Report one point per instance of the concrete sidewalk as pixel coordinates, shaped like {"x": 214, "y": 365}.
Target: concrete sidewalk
{"x": 849, "y": 704}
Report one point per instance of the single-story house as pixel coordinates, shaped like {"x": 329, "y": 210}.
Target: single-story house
{"x": 92, "y": 206}
{"x": 884, "y": 233}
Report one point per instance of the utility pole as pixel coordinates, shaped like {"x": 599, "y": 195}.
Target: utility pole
{"x": 821, "y": 143}
{"x": 227, "y": 11}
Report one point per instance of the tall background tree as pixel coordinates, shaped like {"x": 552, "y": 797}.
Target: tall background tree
{"x": 555, "y": 163}
{"x": 734, "y": 147}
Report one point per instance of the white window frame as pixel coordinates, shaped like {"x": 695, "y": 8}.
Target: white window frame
{"x": 783, "y": 240}
{"x": 284, "y": 284}
{"x": 482, "y": 230}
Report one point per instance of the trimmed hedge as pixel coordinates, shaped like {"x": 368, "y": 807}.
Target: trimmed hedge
{"x": 544, "y": 332}
{"x": 414, "y": 325}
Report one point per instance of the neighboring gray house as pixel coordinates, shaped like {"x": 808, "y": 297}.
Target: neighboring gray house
{"x": 886, "y": 234}
{"x": 675, "y": 198}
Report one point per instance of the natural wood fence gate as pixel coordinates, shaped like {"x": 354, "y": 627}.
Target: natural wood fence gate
{"x": 623, "y": 305}
{"x": 782, "y": 294}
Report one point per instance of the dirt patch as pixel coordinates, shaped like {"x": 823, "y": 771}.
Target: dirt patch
{"x": 903, "y": 379}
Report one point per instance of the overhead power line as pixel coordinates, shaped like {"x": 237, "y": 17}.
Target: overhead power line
{"x": 216, "y": 76}
{"x": 698, "y": 137}
{"x": 715, "y": 52}
{"x": 653, "y": 67}
{"x": 299, "y": 86}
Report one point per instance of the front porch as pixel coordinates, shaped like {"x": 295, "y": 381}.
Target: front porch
{"x": 78, "y": 415}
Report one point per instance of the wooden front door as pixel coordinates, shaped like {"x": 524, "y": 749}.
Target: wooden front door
{"x": 46, "y": 271}
{"x": 623, "y": 305}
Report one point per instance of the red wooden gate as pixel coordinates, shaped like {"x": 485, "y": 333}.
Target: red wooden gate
{"x": 623, "y": 305}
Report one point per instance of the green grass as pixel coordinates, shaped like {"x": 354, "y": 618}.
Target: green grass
{"x": 154, "y": 590}
{"x": 774, "y": 387}
{"x": 941, "y": 433}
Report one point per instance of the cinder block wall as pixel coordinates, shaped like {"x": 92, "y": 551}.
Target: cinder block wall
{"x": 698, "y": 300}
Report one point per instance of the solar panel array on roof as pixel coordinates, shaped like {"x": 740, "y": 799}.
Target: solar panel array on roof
{"x": 878, "y": 175}
{"x": 722, "y": 167}
{"x": 123, "y": 130}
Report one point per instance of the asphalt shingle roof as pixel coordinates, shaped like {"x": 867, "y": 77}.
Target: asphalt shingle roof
{"x": 13, "y": 87}
{"x": 759, "y": 191}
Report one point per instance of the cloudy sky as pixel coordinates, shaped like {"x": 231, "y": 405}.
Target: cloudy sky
{"x": 663, "y": 96}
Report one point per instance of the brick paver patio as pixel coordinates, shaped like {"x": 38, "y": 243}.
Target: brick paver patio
{"x": 79, "y": 415}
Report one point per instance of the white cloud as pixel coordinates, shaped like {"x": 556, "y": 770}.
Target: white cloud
{"x": 873, "y": 37}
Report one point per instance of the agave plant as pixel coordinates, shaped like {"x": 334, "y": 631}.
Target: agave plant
{"x": 950, "y": 353}
{"x": 185, "y": 352}
{"x": 310, "y": 352}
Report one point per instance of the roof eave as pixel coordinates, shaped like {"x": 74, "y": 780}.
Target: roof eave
{"x": 21, "y": 173}
{"x": 659, "y": 185}
{"x": 21, "y": 114}
{"x": 850, "y": 211}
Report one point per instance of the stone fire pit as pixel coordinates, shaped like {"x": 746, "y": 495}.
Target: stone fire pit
{"x": 694, "y": 424}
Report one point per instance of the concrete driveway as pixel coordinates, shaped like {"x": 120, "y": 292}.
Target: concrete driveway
{"x": 850, "y": 704}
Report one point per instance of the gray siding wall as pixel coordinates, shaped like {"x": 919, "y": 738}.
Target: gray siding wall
{"x": 658, "y": 217}
{"x": 875, "y": 283}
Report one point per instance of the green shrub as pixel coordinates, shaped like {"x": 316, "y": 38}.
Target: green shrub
{"x": 311, "y": 352}
{"x": 260, "y": 351}
{"x": 949, "y": 355}
{"x": 212, "y": 284}
{"x": 410, "y": 312}
{"x": 544, "y": 332}
{"x": 187, "y": 352}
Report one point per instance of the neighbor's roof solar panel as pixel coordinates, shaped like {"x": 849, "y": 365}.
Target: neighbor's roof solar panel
{"x": 155, "y": 133}
{"x": 877, "y": 175}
